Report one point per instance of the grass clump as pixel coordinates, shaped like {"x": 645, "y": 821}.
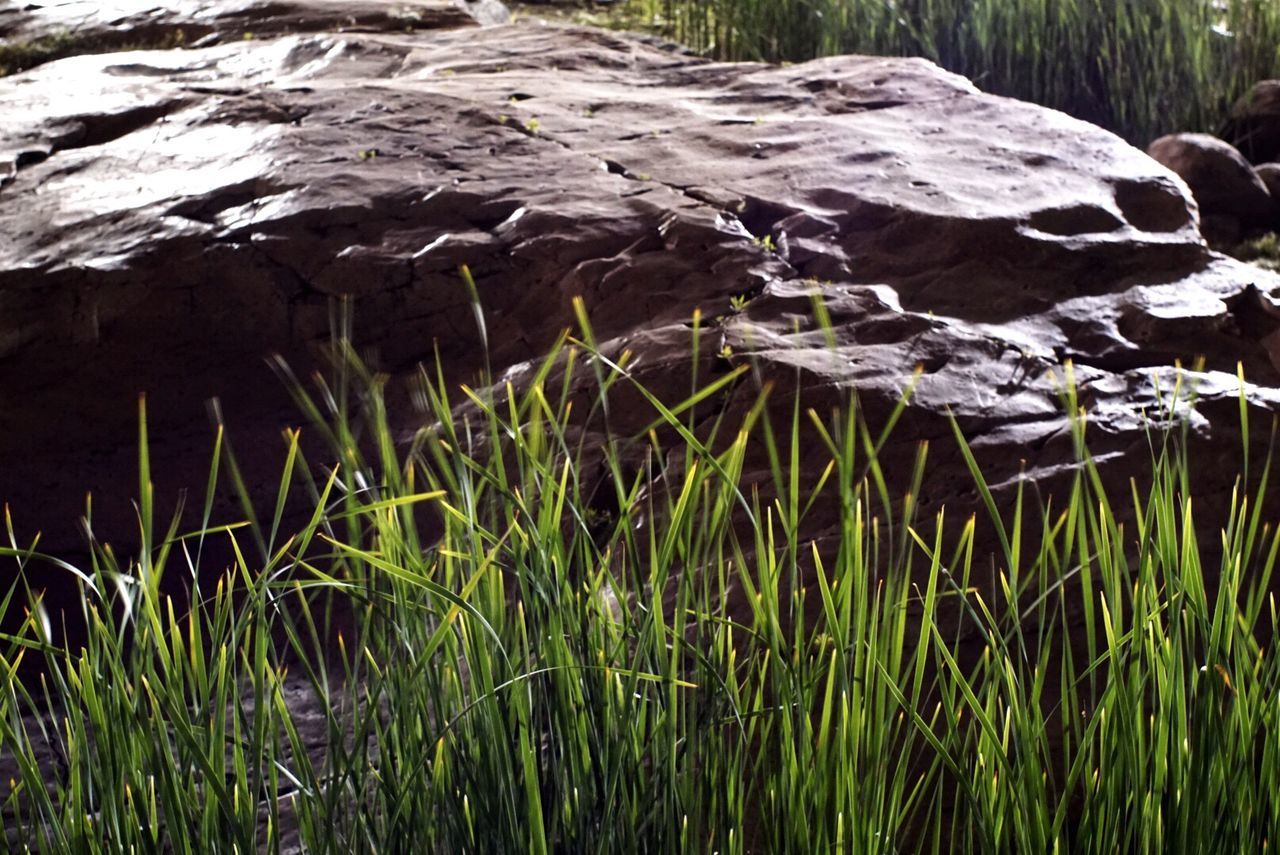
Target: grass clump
{"x": 16, "y": 56}
{"x": 525, "y": 628}
{"x": 1263, "y": 251}
{"x": 1142, "y": 68}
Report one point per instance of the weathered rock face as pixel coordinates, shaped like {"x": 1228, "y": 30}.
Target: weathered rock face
{"x": 173, "y": 216}
{"x": 1254, "y": 123}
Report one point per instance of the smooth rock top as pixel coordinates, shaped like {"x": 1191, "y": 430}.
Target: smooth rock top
{"x": 173, "y": 216}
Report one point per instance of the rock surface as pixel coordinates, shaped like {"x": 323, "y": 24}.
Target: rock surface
{"x": 1269, "y": 174}
{"x": 173, "y": 216}
{"x": 1254, "y": 123}
{"x": 1221, "y": 180}
{"x": 112, "y": 24}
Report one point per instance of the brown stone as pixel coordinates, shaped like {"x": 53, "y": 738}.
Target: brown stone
{"x": 1221, "y": 180}
{"x": 1253, "y": 126}
{"x": 1221, "y": 230}
{"x": 1269, "y": 174}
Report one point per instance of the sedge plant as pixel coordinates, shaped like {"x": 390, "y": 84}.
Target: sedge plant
{"x": 1141, "y": 68}
{"x": 522, "y": 626}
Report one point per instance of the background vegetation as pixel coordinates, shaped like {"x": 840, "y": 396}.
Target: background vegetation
{"x": 1142, "y": 68}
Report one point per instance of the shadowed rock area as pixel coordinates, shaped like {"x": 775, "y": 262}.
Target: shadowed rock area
{"x": 171, "y": 217}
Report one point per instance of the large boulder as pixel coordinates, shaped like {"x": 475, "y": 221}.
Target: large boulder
{"x": 1253, "y": 126}
{"x": 173, "y": 216}
{"x": 1230, "y": 194}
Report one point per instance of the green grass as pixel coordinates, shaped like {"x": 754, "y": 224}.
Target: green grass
{"x": 1142, "y": 68}
{"x": 517, "y": 635}
{"x": 1263, "y": 251}
{"x": 16, "y": 56}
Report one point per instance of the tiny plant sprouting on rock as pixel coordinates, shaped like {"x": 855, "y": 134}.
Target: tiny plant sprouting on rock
{"x": 766, "y": 243}
{"x": 738, "y": 302}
